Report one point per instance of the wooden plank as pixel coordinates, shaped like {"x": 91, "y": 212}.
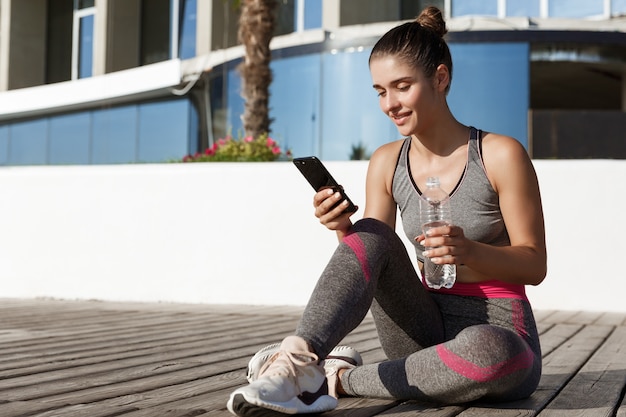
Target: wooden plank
{"x": 597, "y": 388}
{"x": 412, "y": 408}
{"x": 102, "y": 359}
{"x": 540, "y": 315}
{"x": 79, "y": 353}
{"x": 612, "y": 319}
{"x": 361, "y": 407}
{"x": 556, "y": 336}
{"x": 561, "y": 317}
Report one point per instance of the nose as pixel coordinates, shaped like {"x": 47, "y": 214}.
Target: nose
{"x": 389, "y": 103}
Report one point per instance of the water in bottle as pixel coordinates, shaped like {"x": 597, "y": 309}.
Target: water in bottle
{"x": 434, "y": 212}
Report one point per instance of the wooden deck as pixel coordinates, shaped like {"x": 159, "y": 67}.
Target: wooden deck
{"x": 104, "y": 359}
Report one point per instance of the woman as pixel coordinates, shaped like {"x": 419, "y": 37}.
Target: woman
{"x": 476, "y": 340}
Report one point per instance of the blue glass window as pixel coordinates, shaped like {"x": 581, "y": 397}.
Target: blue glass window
{"x": 187, "y": 35}
{"x": 350, "y": 111}
{"x": 474, "y": 7}
{"x": 28, "y": 143}
{"x": 618, "y": 7}
{"x": 296, "y": 122}
{"x": 312, "y": 14}
{"x": 575, "y": 8}
{"x": 114, "y": 135}
{"x": 526, "y": 8}
{"x": 69, "y": 139}
{"x": 164, "y": 131}
{"x": 490, "y": 87}
{"x": 146, "y": 132}
{"x": 85, "y": 49}
{"x": 4, "y": 145}
{"x": 236, "y": 104}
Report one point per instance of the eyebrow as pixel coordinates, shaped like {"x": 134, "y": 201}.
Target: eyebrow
{"x": 398, "y": 81}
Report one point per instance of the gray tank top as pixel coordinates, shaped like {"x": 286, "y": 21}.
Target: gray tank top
{"x": 475, "y": 204}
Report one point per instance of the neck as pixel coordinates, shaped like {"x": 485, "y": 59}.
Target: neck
{"x": 441, "y": 139}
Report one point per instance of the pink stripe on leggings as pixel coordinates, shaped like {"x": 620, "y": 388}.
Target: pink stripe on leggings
{"x": 484, "y": 374}
{"x": 355, "y": 243}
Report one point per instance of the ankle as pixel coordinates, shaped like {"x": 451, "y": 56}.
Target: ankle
{"x": 339, "y": 387}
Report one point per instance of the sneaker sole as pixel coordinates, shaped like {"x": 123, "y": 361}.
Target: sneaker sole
{"x": 240, "y": 407}
{"x": 244, "y": 407}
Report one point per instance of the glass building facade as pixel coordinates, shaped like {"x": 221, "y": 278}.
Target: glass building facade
{"x": 322, "y": 102}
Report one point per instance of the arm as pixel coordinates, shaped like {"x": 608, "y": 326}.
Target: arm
{"x": 379, "y": 202}
{"x": 523, "y": 262}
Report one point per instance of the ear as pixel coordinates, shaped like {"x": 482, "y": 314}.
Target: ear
{"x": 442, "y": 78}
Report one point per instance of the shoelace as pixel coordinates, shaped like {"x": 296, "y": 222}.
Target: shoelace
{"x": 284, "y": 363}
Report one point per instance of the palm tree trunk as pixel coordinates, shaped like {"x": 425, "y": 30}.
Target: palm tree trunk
{"x": 256, "y": 28}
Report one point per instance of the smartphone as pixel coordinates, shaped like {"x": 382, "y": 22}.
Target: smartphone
{"x": 318, "y": 176}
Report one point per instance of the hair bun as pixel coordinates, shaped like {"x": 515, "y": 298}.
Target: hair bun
{"x": 432, "y": 18}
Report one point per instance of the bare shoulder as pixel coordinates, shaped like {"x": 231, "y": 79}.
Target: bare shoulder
{"x": 379, "y": 203}
{"x": 383, "y": 162}
{"x": 505, "y": 158}
{"x": 387, "y": 153}
{"x": 502, "y": 147}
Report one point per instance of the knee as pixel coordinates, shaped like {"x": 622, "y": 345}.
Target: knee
{"x": 372, "y": 227}
{"x": 492, "y": 345}
{"x": 369, "y": 224}
{"x": 490, "y": 354}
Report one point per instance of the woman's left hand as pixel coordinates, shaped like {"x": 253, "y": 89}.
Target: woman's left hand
{"x": 445, "y": 245}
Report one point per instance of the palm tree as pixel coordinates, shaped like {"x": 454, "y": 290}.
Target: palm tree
{"x": 256, "y": 28}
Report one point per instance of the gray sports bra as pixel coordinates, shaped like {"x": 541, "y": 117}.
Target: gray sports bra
{"x": 475, "y": 204}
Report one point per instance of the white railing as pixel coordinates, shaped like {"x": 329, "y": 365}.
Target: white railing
{"x": 246, "y": 234}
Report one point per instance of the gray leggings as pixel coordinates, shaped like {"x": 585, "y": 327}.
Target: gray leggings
{"x": 442, "y": 348}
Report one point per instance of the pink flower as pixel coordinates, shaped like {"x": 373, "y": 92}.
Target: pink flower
{"x": 209, "y": 151}
{"x": 221, "y": 142}
{"x": 187, "y": 158}
{"x": 276, "y": 150}
{"x": 270, "y": 142}
{"x": 248, "y": 139}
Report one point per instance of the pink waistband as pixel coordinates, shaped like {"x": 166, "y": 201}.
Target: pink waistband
{"x": 485, "y": 289}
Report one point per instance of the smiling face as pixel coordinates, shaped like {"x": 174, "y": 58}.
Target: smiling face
{"x": 406, "y": 95}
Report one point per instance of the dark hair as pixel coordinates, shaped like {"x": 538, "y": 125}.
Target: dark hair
{"x": 419, "y": 43}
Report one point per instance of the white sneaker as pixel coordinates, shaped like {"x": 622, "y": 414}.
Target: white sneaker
{"x": 340, "y": 357}
{"x": 291, "y": 382}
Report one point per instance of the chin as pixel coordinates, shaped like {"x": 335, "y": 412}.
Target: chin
{"x": 405, "y": 131}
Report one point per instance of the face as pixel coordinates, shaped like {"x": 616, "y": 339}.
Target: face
{"x": 405, "y": 94}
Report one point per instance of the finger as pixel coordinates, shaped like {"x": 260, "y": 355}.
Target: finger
{"x": 335, "y": 216}
{"x": 455, "y": 231}
{"x": 444, "y": 260}
{"x": 337, "y": 206}
{"x": 335, "y": 199}
{"x": 441, "y": 231}
{"x": 438, "y": 251}
{"x": 322, "y": 195}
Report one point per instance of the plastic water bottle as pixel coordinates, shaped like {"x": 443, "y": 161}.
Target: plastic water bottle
{"x": 434, "y": 212}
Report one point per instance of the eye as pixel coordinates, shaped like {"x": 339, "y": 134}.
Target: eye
{"x": 404, "y": 86}
{"x": 380, "y": 93}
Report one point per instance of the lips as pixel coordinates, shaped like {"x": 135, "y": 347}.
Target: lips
{"x": 399, "y": 119}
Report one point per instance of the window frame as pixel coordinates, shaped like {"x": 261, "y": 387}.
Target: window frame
{"x": 80, "y": 14}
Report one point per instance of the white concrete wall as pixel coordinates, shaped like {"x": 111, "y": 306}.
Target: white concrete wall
{"x": 246, "y": 234}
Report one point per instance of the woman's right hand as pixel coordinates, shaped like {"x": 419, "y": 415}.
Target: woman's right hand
{"x": 332, "y": 218}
